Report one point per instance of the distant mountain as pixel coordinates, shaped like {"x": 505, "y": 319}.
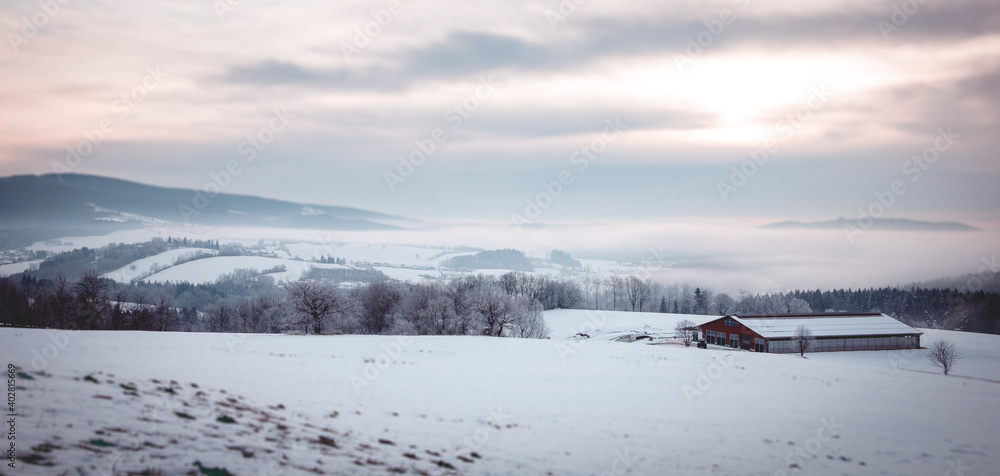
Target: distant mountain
{"x": 896, "y": 224}
{"x": 34, "y": 208}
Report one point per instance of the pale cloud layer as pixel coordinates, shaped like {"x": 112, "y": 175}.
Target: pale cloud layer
{"x": 843, "y": 100}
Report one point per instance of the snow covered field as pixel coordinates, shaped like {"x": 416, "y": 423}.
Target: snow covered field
{"x": 147, "y": 266}
{"x": 210, "y": 269}
{"x": 424, "y": 405}
{"x": 14, "y": 268}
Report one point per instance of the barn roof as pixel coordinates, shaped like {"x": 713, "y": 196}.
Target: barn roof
{"x": 825, "y": 325}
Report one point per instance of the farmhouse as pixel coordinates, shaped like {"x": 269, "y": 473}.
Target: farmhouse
{"x": 832, "y": 332}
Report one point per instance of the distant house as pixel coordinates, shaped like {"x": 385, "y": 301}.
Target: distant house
{"x": 832, "y": 332}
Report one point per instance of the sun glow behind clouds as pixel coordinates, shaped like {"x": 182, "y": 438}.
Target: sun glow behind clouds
{"x": 561, "y": 83}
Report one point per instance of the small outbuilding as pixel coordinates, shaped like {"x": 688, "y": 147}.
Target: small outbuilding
{"x": 831, "y": 331}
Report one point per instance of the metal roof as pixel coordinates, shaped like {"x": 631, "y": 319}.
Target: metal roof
{"x": 825, "y": 325}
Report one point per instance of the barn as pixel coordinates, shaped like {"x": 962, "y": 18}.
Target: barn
{"x": 832, "y": 332}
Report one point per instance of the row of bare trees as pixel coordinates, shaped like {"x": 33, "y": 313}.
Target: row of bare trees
{"x": 477, "y": 305}
{"x": 632, "y": 293}
{"x": 89, "y": 303}
{"x": 509, "y": 305}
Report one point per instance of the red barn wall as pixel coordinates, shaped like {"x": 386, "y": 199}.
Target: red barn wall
{"x": 719, "y": 326}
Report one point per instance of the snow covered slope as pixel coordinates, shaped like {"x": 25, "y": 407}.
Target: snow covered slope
{"x": 565, "y": 323}
{"x": 147, "y": 266}
{"x": 14, "y": 268}
{"x": 530, "y": 407}
{"x": 210, "y": 269}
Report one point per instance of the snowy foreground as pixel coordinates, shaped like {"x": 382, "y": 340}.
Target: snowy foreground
{"x": 172, "y": 403}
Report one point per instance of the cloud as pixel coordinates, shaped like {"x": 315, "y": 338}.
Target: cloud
{"x": 607, "y": 60}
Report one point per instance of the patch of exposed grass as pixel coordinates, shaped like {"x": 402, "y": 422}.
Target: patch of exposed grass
{"x": 45, "y": 448}
{"x": 327, "y": 441}
{"x": 212, "y": 471}
{"x": 444, "y": 464}
{"x": 147, "y": 472}
{"x": 36, "y": 459}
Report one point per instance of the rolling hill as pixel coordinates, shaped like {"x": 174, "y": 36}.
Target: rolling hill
{"x": 34, "y": 208}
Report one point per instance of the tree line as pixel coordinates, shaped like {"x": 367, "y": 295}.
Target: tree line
{"x": 505, "y": 305}
{"x": 247, "y": 301}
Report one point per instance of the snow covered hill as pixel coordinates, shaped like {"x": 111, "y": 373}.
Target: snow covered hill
{"x": 148, "y": 266}
{"x": 210, "y": 269}
{"x": 120, "y": 402}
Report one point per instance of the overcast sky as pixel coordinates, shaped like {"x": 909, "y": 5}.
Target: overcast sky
{"x": 845, "y": 93}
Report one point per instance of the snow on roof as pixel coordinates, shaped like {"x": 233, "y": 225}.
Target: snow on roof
{"x": 825, "y": 325}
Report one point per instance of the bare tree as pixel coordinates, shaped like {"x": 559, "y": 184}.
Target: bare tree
{"x": 724, "y": 304}
{"x": 315, "y": 302}
{"x": 686, "y": 298}
{"x": 220, "y": 318}
{"x": 426, "y": 310}
{"x": 636, "y": 291}
{"x": 62, "y": 303}
{"x": 528, "y": 320}
{"x": 685, "y": 329}
{"x": 379, "y": 301}
{"x": 615, "y": 286}
{"x": 140, "y": 316}
{"x": 944, "y": 355}
{"x": 162, "y": 314}
{"x": 120, "y": 297}
{"x": 494, "y": 309}
{"x": 91, "y": 292}
{"x": 803, "y": 340}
